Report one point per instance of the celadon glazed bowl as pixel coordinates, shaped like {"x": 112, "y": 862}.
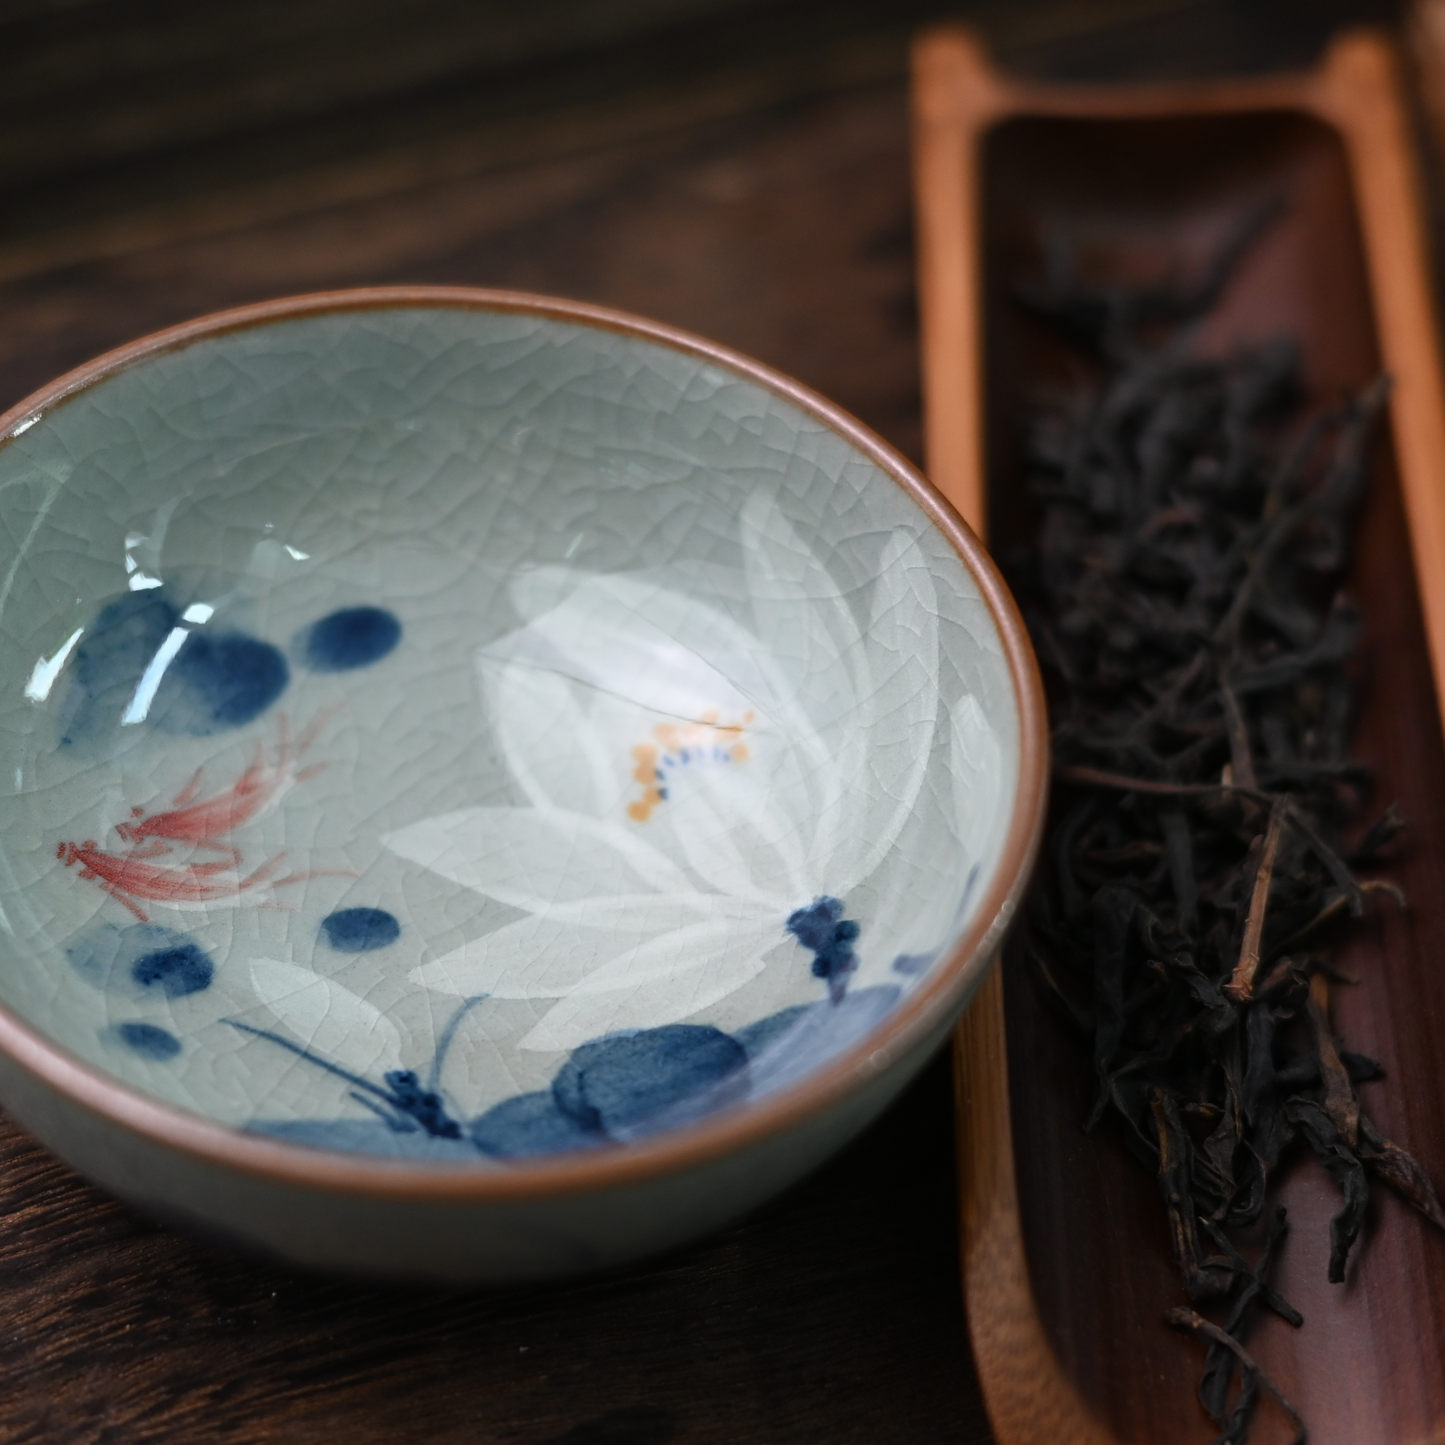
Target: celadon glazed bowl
{"x": 492, "y": 786}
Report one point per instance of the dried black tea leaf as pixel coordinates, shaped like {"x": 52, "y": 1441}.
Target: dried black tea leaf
{"x": 1184, "y": 594}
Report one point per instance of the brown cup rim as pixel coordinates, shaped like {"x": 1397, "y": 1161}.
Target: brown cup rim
{"x": 210, "y": 1142}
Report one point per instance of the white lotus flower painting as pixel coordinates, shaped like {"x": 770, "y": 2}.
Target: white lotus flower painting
{"x": 730, "y": 811}
{"x": 702, "y": 788}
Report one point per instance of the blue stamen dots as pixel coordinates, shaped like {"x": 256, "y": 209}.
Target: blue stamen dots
{"x": 359, "y": 930}
{"x": 822, "y": 928}
{"x": 409, "y": 1098}
{"x": 352, "y": 637}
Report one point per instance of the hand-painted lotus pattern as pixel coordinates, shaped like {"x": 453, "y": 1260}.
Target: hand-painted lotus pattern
{"x": 696, "y": 775}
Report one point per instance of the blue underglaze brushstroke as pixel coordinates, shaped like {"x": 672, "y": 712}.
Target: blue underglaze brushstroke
{"x": 350, "y": 638}
{"x": 911, "y": 964}
{"x": 615, "y": 1083}
{"x": 140, "y": 960}
{"x": 363, "y": 1136}
{"x": 176, "y": 970}
{"x": 530, "y": 1124}
{"x": 147, "y": 1040}
{"x": 215, "y": 681}
{"x": 619, "y": 1087}
{"x": 822, "y": 928}
{"x": 403, "y": 1105}
{"x": 808, "y": 1039}
{"x": 448, "y": 1034}
{"x": 614, "y": 1088}
{"x": 359, "y": 930}
{"x": 110, "y": 661}
{"x": 756, "y": 1038}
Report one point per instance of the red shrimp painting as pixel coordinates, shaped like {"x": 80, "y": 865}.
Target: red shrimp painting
{"x": 201, "y": 823}
{"x": 126, "y": 877}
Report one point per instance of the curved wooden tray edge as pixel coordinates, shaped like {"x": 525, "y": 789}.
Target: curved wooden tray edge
{"x": 1358, "y": 89}
{"x": 1030, "y": 1399}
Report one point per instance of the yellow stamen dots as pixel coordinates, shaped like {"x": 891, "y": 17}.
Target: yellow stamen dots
{"x": 646, "y": 772}
{"x": 705, "y": 741}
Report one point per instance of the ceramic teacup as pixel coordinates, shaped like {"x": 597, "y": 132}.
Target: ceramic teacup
{"x": 495, "y": 786}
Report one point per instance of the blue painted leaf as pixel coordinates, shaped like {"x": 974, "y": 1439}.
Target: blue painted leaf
{"x": 820, "y": 1033}
{"x": 758, "y": 1037}
{"x": 530, "y": 1124}
{"x": 615, "y": 1083}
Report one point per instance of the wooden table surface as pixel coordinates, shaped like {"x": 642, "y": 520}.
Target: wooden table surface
{"x": 765, "y": 202}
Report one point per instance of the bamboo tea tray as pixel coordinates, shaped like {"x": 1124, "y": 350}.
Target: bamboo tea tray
{"x": 1067, "y": 1267}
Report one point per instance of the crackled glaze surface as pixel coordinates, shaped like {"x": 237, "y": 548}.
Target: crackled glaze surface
{"x": 472, "y": 735}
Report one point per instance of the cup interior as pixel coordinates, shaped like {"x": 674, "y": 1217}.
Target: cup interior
{"x": 470, "y": 733}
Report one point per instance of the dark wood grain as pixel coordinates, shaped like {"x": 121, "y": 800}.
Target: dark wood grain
{"x": 784, "y": 234}
{"x": 831, "y": 1317}
{"x": 127, "y": 123}
{"x": 834, "y": 1316}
